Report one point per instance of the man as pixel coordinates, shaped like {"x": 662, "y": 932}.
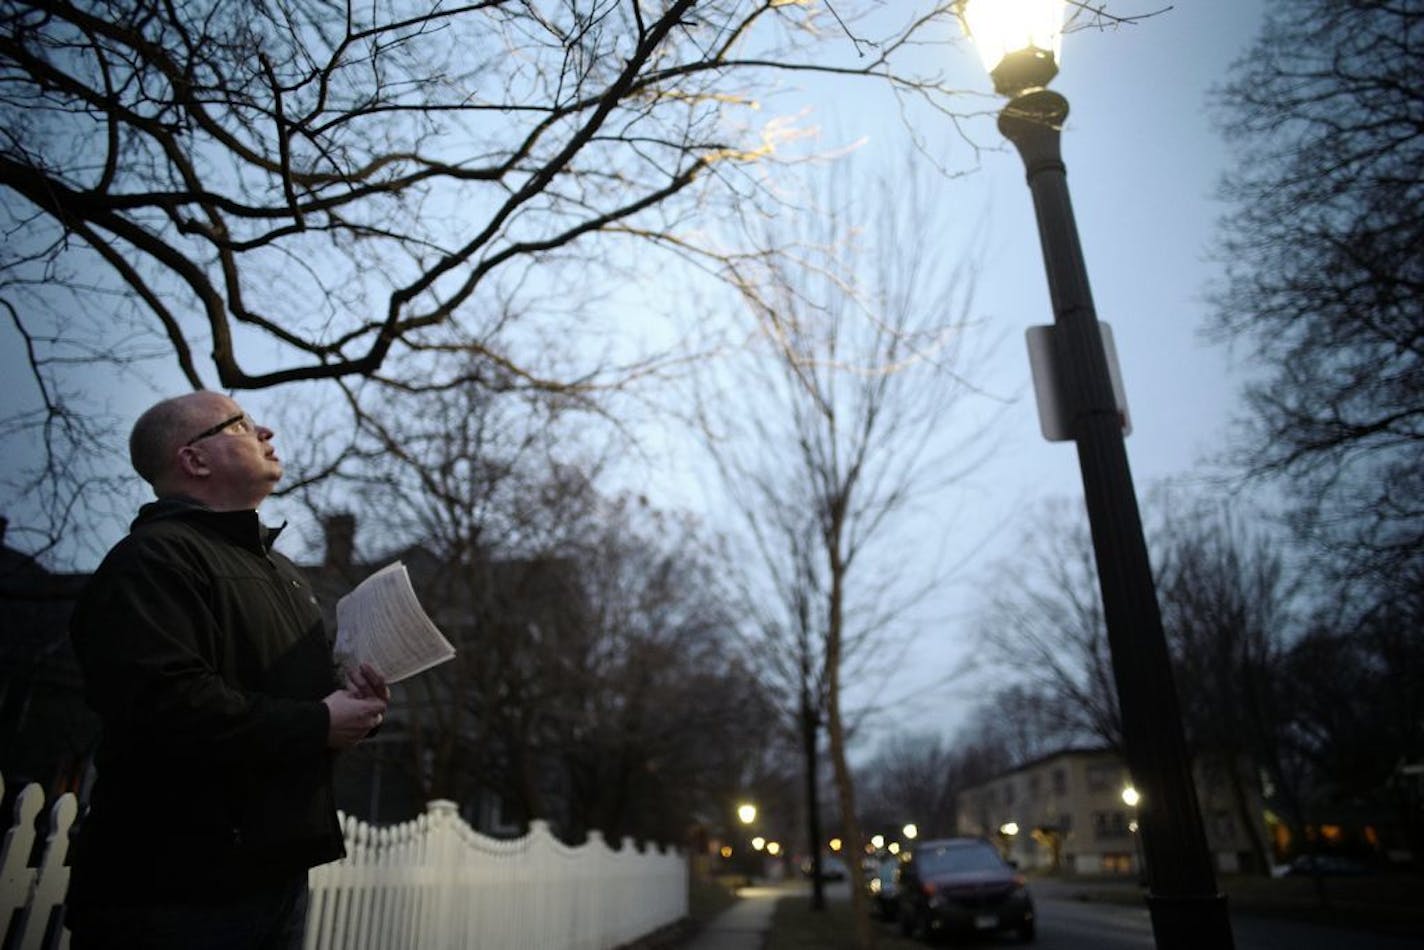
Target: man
{"x": 204, "y": 654}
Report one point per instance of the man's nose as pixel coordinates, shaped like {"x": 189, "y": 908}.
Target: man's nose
{"x": 264, "y": 433}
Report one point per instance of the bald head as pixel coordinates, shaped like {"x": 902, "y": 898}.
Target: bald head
{"x": 161, "y": 431}
{"x": 203, "y": 446}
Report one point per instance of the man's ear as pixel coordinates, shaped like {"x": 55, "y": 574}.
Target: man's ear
{"x": 192, "y": 463}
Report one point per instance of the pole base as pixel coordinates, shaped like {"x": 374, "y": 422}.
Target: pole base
{"x": 1190, "y": 922}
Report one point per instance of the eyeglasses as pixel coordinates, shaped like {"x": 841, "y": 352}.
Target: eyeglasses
{"x": 247, "y": 427}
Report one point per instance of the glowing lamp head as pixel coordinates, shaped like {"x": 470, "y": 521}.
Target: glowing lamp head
{"x": 1020, "y": 41}
{"x": 747, "y": 813}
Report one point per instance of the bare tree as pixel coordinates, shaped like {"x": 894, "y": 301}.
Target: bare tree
{"x": 1324, "y": 252}
{"x": 1227, "y": 603}
{"x": 596, "y": 682}
{"x": 911, "y": 778}
{"x": 1227, "y": 599}
{"x": 832, "y": 428}
{"x": 474, "y": 486}
{"x": 1352, "y": 690}
{"x": 1044, "y": 619}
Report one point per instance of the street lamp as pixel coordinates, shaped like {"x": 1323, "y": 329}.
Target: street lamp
{"x": 746, "y": 813}
{"x": 1019, "y": 41}
{"x": 910, "y": 831}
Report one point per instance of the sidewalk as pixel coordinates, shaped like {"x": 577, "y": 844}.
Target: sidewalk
{"x": 744, "y": 925}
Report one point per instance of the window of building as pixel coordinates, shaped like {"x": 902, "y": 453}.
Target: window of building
{"x": 1102, "y": 777}
{"x": 1109, "y": 824}
{"x": 1117, "y": 863}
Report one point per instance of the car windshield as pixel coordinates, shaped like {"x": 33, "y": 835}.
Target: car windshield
{"x": 954, "y": 858}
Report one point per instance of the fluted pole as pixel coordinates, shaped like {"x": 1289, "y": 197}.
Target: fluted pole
{"x": 1188, "y": 912}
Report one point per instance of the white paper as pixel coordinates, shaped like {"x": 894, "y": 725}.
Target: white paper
{"x": 382, "y": 623}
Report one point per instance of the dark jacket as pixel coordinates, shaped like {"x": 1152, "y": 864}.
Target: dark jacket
{"x": 204, "y": 654}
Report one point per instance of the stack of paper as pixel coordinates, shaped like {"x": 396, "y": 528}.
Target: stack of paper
{"x": 382, "y": 623}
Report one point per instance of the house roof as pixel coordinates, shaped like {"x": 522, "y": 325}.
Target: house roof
{"x": 1065, "y": 752}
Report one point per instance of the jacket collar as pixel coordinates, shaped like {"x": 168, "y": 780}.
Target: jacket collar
{"x": 241, "y": 527}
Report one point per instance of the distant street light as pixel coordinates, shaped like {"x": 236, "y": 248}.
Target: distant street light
{"x": 746, "y": 813}
{"x": 1007, "y": 831}
{"x": 758, "y": 843}
{"x": 773, "y": 848}
{"x": 877, "y": 841}
{"x": 910, "y": 831}
{"x": 1130, "y": 798}
{"x": 835, "y": 844}
{"x": 1019, "y": 41}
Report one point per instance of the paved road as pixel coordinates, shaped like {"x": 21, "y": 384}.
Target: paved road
{"x": 743, "y": 926}
{"x": 1068, "y": 924}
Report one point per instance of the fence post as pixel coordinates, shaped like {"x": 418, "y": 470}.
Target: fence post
{"x": 442, "y": 858}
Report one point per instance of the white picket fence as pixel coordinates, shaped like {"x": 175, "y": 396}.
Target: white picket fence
{"x": 433, "y": 883}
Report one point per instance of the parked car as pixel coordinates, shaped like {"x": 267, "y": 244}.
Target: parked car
{"x": 880, "y": 885}
{"x": 1332, "y": 865}
{"x": 961, "y": 885}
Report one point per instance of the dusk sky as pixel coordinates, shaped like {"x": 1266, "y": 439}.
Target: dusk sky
{"x": 1144, "y": 161}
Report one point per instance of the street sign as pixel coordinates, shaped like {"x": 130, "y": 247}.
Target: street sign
{"x": 1055, "y": 415}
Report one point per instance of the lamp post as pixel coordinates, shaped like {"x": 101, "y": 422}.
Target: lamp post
{"x": 1131, "y": 798}
{"x": 1019, "y": 41}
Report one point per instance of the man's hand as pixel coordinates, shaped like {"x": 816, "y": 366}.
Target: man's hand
{"x": 367, "y": 683}
{"x": 352, "y": 717}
